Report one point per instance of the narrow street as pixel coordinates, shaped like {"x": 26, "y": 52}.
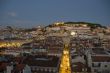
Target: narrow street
{"x": 65, "y": 62}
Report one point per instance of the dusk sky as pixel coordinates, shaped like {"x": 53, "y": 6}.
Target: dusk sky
{"x": 30, "y": 13}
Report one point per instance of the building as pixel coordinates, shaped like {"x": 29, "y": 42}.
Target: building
{"x": 43, "y": 64}
{"x": 54, "y": 45}
{"x": 79, "y": 67}
{"x": 98, "y": 60}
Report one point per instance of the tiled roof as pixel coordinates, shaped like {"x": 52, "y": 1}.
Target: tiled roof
{"x": 42, "y": 72}
{"x": 101, "y": 58}
{"x": 18, "y": 59}
{"x": 2, "y": 66}
{"x": 78, "y": 67}
{"x": 42, "y": 61}
{"x": 18, "y": 68}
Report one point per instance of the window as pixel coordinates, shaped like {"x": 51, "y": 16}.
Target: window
{"x": 96, "y": 64}
{"x": 105, "y": 65}
{"x": 95, "y": 70}
{"x": 84, "y": 69}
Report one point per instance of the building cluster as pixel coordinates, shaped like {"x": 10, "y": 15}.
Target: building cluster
{"x": 40, "y": 50}
{"x": 37, "y": 56}
{"x": 29, "y": 64}
{"x": 87, "y": 54}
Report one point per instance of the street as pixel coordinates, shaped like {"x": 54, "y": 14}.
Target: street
{"x": 65, "y": 62}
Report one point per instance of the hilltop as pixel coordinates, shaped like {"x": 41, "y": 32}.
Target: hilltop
{"x": 77, "y": 24}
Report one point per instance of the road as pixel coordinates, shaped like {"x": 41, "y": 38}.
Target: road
{"x": 65, "y": 62}
{"x": 16, "y": 43}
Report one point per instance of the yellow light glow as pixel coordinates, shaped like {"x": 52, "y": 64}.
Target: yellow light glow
{"x": 73, "y": 33}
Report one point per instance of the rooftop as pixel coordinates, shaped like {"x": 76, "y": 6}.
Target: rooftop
{"x": 18, "y": 68}
{"x": 42, "y": 61}
{"x": 100, "y": 51}
{"x": 2, "y": 66}
{"x": 79, "y": 67}
{"x": 101, "y": 58}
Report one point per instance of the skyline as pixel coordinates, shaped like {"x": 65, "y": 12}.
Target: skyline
{"x": 26, "y": 13}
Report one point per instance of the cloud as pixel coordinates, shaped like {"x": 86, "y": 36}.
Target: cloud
{"x": 13, "y": 14}
{"x": 8, "y": 15}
